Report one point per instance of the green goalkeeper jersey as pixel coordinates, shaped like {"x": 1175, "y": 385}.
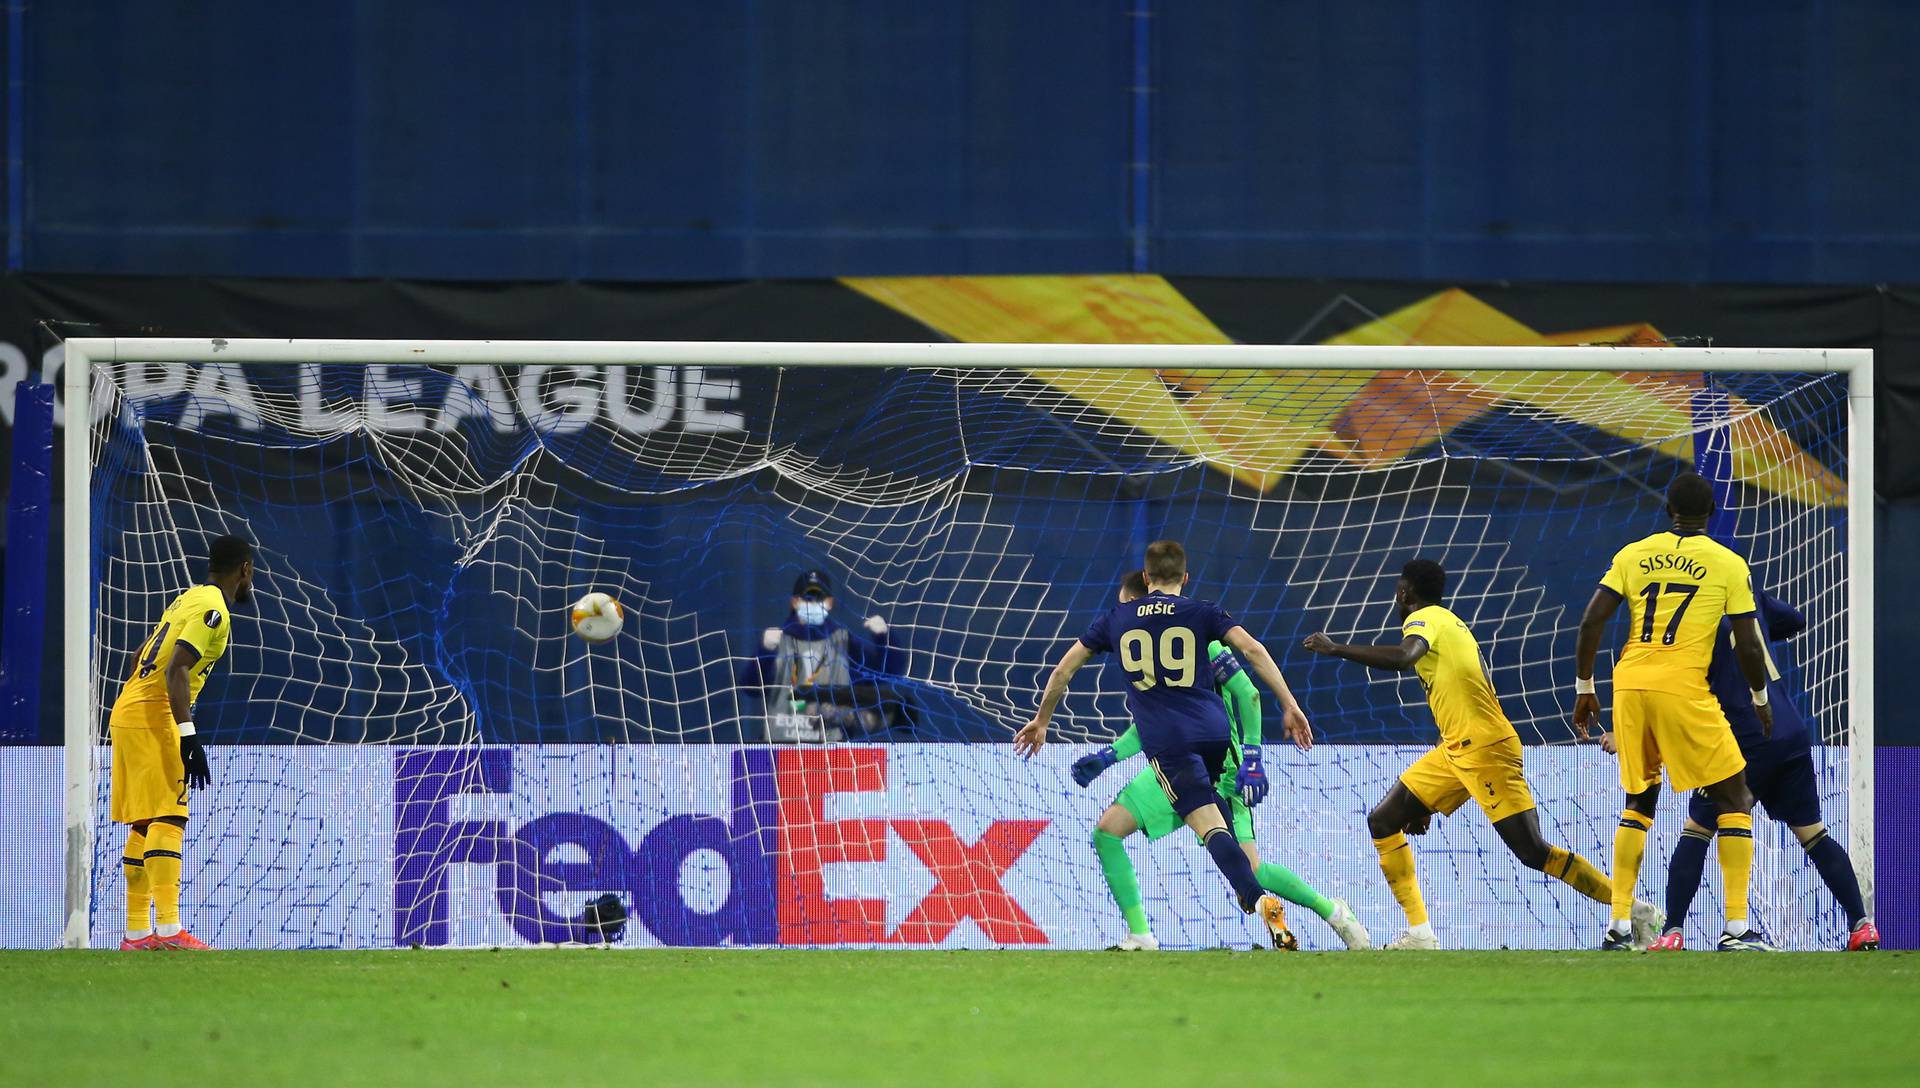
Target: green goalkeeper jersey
{"x": 1236, "y": 689}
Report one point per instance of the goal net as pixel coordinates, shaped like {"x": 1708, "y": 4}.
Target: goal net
{"x": 410, "y": 746}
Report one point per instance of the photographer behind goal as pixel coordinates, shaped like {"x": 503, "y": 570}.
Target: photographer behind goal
{"x": 818, "y": 675}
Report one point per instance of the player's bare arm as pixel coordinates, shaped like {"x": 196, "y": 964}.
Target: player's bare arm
{"x": 1293, "y": 720}
{"x": 1393, "y": 657}
{"x": 193, "y": 756}
{"x": 180, "y": 681}
{"x": 1593, "y": 628}
{"x": 1750, "y": 650}
{"x": 1032, "y": 736}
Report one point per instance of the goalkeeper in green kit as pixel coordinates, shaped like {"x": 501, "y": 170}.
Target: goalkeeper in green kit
{"x": 1143, "y": 806}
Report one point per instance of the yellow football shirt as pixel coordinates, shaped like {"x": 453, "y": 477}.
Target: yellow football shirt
{"x": 198, "y": 618}
{"x": 1455, "y": 676}
{"x": 1676, "y": 588}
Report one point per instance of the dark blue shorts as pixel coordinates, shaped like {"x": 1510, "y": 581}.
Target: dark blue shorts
{"x": 1785, "y": 786}
{"x": 1189, "y": 775}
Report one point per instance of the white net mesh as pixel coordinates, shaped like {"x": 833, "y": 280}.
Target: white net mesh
{"x": 410, "y": 746}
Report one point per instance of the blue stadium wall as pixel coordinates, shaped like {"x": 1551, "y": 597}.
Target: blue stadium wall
{"x": 1669, "y": 140}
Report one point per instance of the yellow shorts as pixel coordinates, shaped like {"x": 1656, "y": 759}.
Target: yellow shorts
{"x": 1444, "y": 778}
{"x": 148, "y": 780}
{"x": 1687, "y": 734}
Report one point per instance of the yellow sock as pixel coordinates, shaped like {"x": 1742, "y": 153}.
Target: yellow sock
{"x": 1396, "y": 861}
{"x": 163, "y": 874}
{"x": 1579, "y": 874}
{"x": 1629, "y": 846}
{"x": 1736, "y": 863}
{"x": 133, "y": 866}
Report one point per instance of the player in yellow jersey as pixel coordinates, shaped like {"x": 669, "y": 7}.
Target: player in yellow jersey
{"x": 1478, "y": 756}
{"x": 1677, "y": 585}
{"x": 157, "y": 753}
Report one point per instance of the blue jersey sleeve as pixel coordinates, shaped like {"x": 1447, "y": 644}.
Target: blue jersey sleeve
{"x": 1218, "y": 622}
{"x": 1099, "y": 636}
{"x": 1783, "y": 621}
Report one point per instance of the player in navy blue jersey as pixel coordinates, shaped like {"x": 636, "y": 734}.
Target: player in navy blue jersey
{"x": 1161, "y": 640}
{"x": 1780, "y": 775}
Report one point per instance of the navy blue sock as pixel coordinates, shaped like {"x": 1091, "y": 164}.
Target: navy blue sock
{"x": 1233, "y": 863}
{"x": 1836, "y": 868}
{"x": 1683, "y": 876}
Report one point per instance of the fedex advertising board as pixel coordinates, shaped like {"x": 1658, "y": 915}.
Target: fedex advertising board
{"x": 929, "y": 846}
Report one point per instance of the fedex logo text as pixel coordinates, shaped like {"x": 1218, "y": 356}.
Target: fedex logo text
{"x": 775, "y": 841}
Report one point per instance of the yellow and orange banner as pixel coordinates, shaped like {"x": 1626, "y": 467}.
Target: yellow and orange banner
{"x": 1258, "y": 424}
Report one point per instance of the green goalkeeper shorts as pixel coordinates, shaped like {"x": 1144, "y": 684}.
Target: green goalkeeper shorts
{"x": 1148, "y": 802}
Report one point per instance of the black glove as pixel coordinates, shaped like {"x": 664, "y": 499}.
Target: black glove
{"x": 193, "y": 758}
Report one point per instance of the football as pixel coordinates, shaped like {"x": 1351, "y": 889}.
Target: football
{"x": 597, "y": 617}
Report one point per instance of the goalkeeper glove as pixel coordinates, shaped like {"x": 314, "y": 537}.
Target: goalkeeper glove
{"x": 1251, "y": 778}
{"x": 1088, "y": 767}
{"x": 193, "y": 758}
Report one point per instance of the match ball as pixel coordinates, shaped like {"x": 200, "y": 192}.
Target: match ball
{"x": 597, "y": 617}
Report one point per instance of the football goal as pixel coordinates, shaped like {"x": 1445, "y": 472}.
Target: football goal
{"x": 411, "y": 747}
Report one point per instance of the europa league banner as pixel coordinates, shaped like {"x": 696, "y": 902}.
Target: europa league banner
{"x": 37, "y": 310}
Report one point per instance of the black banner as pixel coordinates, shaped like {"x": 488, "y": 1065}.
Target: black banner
{"x": 36, "y": 310}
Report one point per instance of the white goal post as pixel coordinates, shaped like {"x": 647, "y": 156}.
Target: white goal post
{"x": 83, "y": 691}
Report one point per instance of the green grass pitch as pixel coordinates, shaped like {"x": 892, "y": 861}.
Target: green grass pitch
{"x": 536, "y": 1017}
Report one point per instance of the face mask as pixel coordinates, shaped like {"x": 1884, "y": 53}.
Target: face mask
{"x": 812, "y": 613}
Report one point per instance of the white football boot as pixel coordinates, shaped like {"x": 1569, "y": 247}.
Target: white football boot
{"x": 1414, "y": 942}
{"x": 1347, "y": 925}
